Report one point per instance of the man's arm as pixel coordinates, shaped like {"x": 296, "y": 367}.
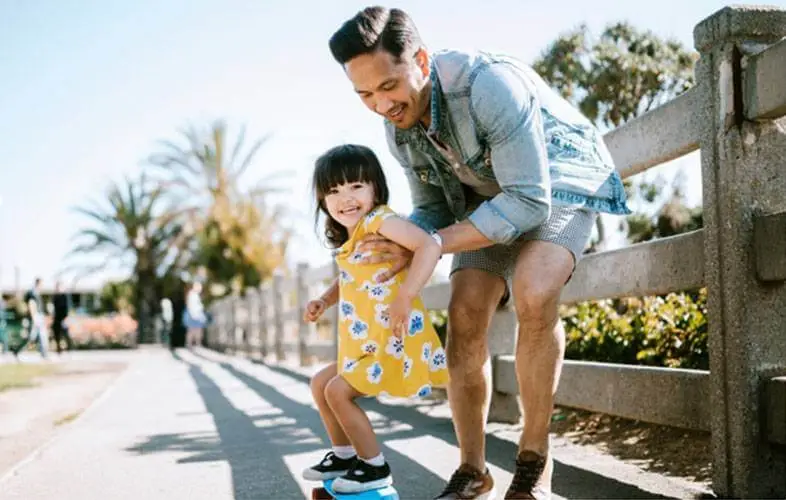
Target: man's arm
{"x": 430, "y": 209}
{"x": 508, "y": 115}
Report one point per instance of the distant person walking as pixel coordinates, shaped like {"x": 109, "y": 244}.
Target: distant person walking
{"x": 3, "y": 324}
{"x": 35, "y": 320}
{"x": 194, "y": 318}
{"x": 167, "y": 320}
{"x": 60, "y": 301}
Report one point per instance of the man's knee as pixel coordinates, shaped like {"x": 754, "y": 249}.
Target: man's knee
{"x": 536, "y": 303}
{"x": 542, "y": 270}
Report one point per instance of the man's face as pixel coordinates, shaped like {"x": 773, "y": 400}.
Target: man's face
{"x": 397, "y": 90}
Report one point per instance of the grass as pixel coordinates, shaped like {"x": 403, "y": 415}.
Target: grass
{"x": 68, "y": 418}
{"x": 15, "y": 375}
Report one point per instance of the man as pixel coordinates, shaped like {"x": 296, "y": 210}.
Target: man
{"x": 35, "y": 320}
{"x": 512, "y": 177}
{"x": 3, "y": 325}
{"x": 61, "y": 305}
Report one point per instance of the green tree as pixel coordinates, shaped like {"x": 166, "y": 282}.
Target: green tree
{"x": 129, "y": 228}
{"x": 234, "y": 234}
{"x": 618, "y": 76}
{"x": 118, "y": 296}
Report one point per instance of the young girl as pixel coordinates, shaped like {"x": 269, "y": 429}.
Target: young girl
{"x": 387, "y": 344}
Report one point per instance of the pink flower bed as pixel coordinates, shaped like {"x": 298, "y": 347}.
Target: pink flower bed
{"x": 92, "y": 332}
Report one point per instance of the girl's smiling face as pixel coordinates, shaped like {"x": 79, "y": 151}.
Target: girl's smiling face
{"x": 348, "y": 203}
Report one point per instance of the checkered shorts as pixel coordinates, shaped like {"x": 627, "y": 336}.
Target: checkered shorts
{"x": 569, "y": 227}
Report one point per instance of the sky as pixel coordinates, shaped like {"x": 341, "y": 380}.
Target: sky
{"x": 88, "y": 88}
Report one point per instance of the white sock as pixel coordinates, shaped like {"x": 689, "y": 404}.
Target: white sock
{"x": 344, "y": 452}
{"x": 377, "y": 461}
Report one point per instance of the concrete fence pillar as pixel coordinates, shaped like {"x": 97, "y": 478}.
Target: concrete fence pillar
{"x": 264, "y": 320}
{"x": 306, "y": 331}
{"x": 278, "y": 317}
{"x": 234, "y": 302}
{"x": 253, "y": 336}
{"x": 744, "y": 179}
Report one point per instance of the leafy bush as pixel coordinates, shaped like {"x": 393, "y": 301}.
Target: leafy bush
{"x": 668, "y": 330}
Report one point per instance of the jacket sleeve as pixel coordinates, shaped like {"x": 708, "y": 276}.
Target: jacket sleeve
{"x": 507, "y": 113}
{"x": 430, "y": 210}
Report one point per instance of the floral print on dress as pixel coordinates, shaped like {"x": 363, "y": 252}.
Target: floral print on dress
{"x": 377, "y": 212}
{"x": 349, "y": 365}
{"x": 344, "y": 277}
{"x": 395, "y": 347}
{"x": 439, "y": 360}
{"x": 358, "y": 329}
{"x": 374, "y": 373}
{"x": 424, "y": 391}
{"x": 407, "y": 366}
{"x": 425, "y": 355}
{"x": 416, "y": 322}
{"x": 370, "y": 347}
{"x": 382, "y": 315}
{"x": 346, "y": 310}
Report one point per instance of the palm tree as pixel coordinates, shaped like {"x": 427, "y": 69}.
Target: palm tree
{"x": 130, "y": 229}
{"x": 203, "y": 179}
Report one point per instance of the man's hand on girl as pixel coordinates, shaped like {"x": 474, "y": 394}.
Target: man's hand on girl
{"x": 383, "y": 250}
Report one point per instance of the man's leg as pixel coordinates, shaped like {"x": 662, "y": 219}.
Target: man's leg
{"x": 475, "y": 295}
{"x": 4, "y": 337}
{"x": 542, "y": 270}
{"x": 16, "y": 350}
{"x": 43, "y": 338}
{"x": 57, "y": 332}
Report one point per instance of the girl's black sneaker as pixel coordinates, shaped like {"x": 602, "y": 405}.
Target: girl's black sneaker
{"x": 363, "y": 477}
{"x": 329, "y": 467}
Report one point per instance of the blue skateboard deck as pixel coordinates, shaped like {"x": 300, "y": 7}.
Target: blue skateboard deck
{"x": 386, "y": 493}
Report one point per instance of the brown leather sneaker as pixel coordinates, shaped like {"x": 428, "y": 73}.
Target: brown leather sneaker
{"x": 468, "y": 483}
{"x": 533, "y": 477}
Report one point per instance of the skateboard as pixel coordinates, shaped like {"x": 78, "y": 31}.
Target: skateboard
{"x": 326, "y": 492}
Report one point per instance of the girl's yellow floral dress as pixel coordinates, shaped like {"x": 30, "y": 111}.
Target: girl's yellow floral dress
{"x": 370, "y": 357}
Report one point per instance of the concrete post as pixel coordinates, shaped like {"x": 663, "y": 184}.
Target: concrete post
{"x": 233, "y": 325}
{"x": 264, "y": 320}
{"x": 252, "y": 322}
{"x": 278, "y": 319}
{"x": 502, "y": 335}
{"x": 306, "y": 331}
{"x": 743, "y": 178}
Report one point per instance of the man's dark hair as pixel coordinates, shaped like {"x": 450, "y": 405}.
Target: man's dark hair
{"x": 374, "y": 28}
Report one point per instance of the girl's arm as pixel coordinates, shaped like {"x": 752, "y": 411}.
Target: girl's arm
{"x": 426, "y": 252}
{"x": 330, "y": 296}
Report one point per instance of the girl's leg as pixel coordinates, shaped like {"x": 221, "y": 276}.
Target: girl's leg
{"x": 190, "y": 333}
{"x": 318, "y": 384}
{"x": 354, "y": 421}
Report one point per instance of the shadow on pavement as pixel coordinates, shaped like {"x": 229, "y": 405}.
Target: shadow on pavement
{"x": 569, "y": 481}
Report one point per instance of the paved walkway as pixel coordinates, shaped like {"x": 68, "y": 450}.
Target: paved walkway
{"x": 200, "y": 425}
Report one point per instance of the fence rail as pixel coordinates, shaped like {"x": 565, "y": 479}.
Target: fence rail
{"x": 742, "y": 400}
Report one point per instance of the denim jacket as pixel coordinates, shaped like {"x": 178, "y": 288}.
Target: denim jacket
{"x": 509, "y": 127}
